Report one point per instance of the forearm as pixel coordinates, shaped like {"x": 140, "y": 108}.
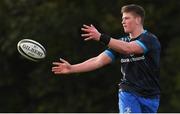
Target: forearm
{"x": 117, "y": 45}
{"x": 86, "y": 66}
{"x": 120, "y": 46}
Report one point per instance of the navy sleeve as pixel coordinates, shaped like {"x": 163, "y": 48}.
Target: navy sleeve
{"x": 111, "y": 53}
{"x": 145, "y": 41}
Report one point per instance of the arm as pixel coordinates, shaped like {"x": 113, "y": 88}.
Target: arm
{"x": 117, "y": 45}
{"x": 125, "y": 47}
{"x": 94, "y": 63}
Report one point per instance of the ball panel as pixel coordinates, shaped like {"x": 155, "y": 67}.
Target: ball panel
{"x": 31, "y": 49}
{"x": 34, "y": 42}
{"x": 24, "y": 54}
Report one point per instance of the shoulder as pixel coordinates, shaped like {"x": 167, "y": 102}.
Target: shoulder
{"x": 149, "y": 35}
{"x": 150, "y": 39}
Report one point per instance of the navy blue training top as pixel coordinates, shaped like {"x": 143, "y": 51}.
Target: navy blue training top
{"x": 140, "y": 71}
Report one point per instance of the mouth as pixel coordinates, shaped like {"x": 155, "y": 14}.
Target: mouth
{"x": 124, "y": 26}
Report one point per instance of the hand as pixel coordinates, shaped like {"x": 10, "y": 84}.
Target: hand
{"x": 62, "y": 67}
{"x": 91, "y": 33}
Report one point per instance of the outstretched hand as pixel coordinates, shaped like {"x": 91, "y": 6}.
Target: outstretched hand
{"x": 62, "y": 67}
{"x": 91, "y": 33}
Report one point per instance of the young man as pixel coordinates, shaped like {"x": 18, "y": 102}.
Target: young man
{"x": 139, "y": 54}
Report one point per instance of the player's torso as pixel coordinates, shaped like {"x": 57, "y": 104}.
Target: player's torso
{"x": 140, "y": 71}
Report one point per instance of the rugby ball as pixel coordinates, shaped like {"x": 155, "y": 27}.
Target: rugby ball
{"x": 31, "y": 49}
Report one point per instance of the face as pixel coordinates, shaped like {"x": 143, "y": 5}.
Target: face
{"x": 129, "y": 22}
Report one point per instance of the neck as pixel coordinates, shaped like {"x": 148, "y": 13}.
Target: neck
{"x": 136, "y": 32}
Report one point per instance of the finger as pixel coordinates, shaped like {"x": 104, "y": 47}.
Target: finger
{"x": 85, "y": 30}
{"x": 86, "y": 26}
{"x": 56, "y": 63}
{"x": 57, "y": 72}
{"x": 85, "y": 35}
{"x": 55, "y": 68}
{"x": 92, "y": 26}
{"x": 64, "y": 61}
{"x": 89, "y": 38}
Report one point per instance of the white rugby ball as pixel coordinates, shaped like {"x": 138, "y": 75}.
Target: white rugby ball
{"x": 31, "y": 49}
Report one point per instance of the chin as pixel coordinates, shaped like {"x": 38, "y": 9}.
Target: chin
{"x": 126, "y": 31}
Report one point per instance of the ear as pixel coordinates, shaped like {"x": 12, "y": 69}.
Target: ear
{"x": 138, "y": 20}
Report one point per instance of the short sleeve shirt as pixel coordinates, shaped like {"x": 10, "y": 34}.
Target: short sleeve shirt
{"x": 140, "y": 71}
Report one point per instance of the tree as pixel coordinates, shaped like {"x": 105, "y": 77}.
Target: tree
{"x": 31, "y": 87}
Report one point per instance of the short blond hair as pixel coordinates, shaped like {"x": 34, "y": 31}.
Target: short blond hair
{"x": 135, "y": 9}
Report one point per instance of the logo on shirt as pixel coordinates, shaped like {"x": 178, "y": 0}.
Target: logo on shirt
{"x": 127, "y": 110}
{"x": 132, "y": 59}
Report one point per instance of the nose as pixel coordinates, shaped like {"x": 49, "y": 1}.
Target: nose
{"x": 123, "y": 22}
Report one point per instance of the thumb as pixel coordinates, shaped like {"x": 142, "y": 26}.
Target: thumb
{"x": 92, "y": 26}
{"x": 64, "y": 61}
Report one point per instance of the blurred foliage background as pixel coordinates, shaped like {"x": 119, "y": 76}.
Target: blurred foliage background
{"x": 27, "y": 86}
